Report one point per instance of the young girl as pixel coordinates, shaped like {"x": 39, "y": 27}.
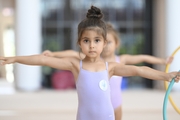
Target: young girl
{"x": 92, "y": 73}
{"x": 109, "y": 55}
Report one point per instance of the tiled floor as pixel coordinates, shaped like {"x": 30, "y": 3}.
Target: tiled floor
{"x": 62, "y": 105}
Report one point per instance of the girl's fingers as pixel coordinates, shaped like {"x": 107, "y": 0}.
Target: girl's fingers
{"x": 2, "y": 58}
{"x": 2, "y": 63}
{"x": 169, "y": 60}
{"x": 46, "y": 53}
{"x": 177, "y": 77}
{"x": 176, "y": 80}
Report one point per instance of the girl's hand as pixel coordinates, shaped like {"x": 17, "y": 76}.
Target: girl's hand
{"x": 48, "y": 53}
{"x": 7, "y": 60}
{"x": 175, "y": 75}
{"x": 169, "y": 60}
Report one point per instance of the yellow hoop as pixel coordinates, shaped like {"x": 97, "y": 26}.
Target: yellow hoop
{"x": 166, "y": 83}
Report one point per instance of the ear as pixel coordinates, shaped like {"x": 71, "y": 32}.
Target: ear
{"x": 79, "y": 44}
{"x": 117, "y": 45}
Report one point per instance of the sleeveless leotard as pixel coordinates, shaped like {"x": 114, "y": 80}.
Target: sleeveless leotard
{"x": 115, "y": 86}
{"x": 94, "y": 102}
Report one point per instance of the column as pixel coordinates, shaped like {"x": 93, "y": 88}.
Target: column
{"x": 28, "y": 42}
{"x": 173, "y": 33}
{"x": 159, "y": 36}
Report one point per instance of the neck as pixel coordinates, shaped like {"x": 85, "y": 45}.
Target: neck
{"x": 89, "y": 59}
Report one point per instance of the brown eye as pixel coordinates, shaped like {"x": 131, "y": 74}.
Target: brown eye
{"x": 97, "y": 40}
{"x": 85, "y": 41}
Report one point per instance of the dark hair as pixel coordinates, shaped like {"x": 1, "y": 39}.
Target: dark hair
{"x": 92, "y": 22}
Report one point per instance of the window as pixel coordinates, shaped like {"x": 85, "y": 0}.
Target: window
{"x": 132, "y": 18}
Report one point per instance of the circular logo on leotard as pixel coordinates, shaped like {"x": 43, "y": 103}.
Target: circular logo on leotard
{"x": 103, "y": 85}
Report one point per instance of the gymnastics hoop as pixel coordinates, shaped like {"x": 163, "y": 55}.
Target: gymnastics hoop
{"x": 166, "y": 99}
{"x": 170, "y": 86}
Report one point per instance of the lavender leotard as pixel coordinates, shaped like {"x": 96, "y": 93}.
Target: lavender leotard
{"x": 115, "y": 86}
{"x": 94, "y": 102}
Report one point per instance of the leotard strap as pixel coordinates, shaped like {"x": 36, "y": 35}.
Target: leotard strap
{"x": 80, "y": 64}
{"x": 106, "y": 65}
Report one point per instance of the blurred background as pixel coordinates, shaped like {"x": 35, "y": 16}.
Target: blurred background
{"x": 31, "y": 26}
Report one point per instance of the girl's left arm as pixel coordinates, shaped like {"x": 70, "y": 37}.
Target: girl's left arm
{"x": 143, "y": 71}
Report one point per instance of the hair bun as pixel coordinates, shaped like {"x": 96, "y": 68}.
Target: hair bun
{"x": 109, "y": 25}
{"x": 94, "y": 12}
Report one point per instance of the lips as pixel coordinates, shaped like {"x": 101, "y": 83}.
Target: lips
{"x": 92, "y": 52}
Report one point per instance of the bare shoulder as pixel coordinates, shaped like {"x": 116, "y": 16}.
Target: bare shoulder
{"x": 66, "y": 63}
{"x": 69, "y": 63}
{"x": 111, "y": 67}
{"x": 75, "y": 60}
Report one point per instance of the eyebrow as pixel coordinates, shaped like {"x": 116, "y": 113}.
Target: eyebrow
{"x": 98, "y": 37}
{"x": 88, "y": 38}
{"x": 84, "y": 38}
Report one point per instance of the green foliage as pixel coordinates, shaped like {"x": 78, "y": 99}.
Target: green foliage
{"x": 50, "y": 43}
{"x": 135, "y": 46}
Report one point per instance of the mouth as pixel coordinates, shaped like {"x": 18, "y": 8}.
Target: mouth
{"x": 92, "y": 52}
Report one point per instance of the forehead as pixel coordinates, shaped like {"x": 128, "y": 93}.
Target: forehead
{"x": 91, "y": 33}
{"x": 110, "y": 37}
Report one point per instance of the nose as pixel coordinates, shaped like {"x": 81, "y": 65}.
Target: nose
{"x": 91, "y": 45}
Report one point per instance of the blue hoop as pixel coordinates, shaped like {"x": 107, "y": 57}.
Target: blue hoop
{"x": 166, "y": 98}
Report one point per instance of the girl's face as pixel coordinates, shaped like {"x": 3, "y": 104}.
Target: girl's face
{"x": 92, "y": 43}
{"x": 110, "y": 47}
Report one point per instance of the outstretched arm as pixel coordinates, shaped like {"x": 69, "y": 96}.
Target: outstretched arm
{"x": 135, "y": 59}
{"x": 65, "y": 53}
{"x": 146, "y": 72}
{"x": 39, "y": 60}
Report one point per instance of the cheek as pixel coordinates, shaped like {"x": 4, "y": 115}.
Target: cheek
{"x": 100, "y": 47}
{"x": 114, "y": 45}
{"x": 110, "y": 45}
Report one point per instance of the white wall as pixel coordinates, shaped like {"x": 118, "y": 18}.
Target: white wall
{"x": 173, "y": 33}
